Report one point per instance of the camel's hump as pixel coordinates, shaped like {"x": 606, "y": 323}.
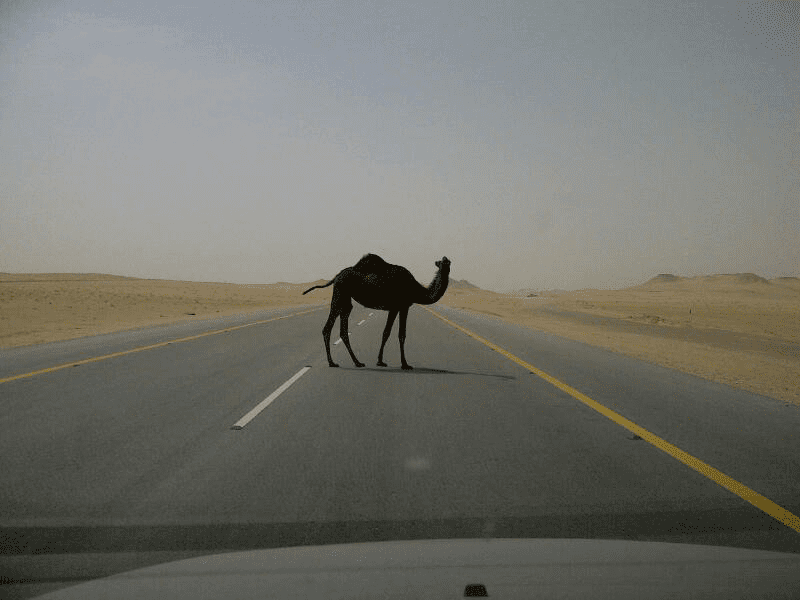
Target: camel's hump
{"x": 371, "y": 262}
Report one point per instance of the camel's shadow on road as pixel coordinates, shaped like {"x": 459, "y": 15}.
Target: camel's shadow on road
{"x": 429, "y": 371}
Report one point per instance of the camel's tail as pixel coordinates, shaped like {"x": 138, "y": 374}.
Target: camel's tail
{"x": 318, "y": 286}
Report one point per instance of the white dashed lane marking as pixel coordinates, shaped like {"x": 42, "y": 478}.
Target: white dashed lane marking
{"x": 268, "y": 400}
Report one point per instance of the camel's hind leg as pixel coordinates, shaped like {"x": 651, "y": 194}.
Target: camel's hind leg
{"x": 402, "y": 337}
{"x": 386, "y": 331}
{"x": 345, "y": 316}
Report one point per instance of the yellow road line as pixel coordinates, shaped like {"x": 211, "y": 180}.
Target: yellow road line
{"x": 150, "y": 347}
{"x": 765, "y": 504}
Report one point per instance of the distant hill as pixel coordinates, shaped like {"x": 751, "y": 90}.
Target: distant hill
{"x": 462, "y": 284}
{"x": 51, "y": 277}
{"x": 736, "y": 278}
{"x": 790, "y": 282}
{"x": 532, "y": 293}
{"x": 665, "y": 278}
{"x": 745, "y": 278}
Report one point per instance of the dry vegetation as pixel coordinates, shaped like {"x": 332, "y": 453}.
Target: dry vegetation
{"x": 740, "y": 330}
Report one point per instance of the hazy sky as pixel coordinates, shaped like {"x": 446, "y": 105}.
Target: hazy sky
{"x": 535, "y": 144}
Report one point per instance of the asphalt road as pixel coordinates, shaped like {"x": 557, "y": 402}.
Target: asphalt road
{"x": 133, "y": 459}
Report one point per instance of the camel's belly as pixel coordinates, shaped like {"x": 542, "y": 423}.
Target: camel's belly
{"x": 378, "y": 301}
{"x": 373, "y": 304}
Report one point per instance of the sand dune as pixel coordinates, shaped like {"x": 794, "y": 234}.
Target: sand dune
{"x": 744, "y": 303}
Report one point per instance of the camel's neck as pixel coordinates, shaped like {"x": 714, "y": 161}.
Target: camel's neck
{"x": 438, "y": 286}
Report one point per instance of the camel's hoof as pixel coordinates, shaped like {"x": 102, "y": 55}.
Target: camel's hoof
{"x": 380, "y": 363}
{"x": 407, "y": 368}
{"x": 332, "y": 364}
{"x": 359, "y": 364}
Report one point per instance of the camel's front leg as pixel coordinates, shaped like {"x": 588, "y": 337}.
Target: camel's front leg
{"x": 402, "y": 336}
{"x": 346, "y": 338}
{"x": 386, "y": 331}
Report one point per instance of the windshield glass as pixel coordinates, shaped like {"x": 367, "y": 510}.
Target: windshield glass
{"x": 300, "y": 273}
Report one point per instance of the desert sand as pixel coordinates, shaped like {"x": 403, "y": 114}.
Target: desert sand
{"x": 50, "y": 307}
{"x": 740, "y": 330}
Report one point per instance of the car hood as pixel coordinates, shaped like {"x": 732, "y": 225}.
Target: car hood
{"x": 500, "y": 568}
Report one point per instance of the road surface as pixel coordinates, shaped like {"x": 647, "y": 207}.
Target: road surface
{"x": 148, "y": 450}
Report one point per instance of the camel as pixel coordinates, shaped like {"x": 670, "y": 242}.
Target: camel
{"x": 374, "y": 283}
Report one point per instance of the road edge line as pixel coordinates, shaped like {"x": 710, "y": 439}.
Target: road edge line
{"x": 745, "y": 493}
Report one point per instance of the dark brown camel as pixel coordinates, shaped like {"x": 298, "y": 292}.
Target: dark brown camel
{"x": 374, "y": 283}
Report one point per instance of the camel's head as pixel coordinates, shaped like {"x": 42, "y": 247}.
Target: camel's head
{"x": 444, "y": 263}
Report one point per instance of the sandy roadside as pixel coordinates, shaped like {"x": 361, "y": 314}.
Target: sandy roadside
{"x": 50, "y": 307}
{"x": 730, "y": 329}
